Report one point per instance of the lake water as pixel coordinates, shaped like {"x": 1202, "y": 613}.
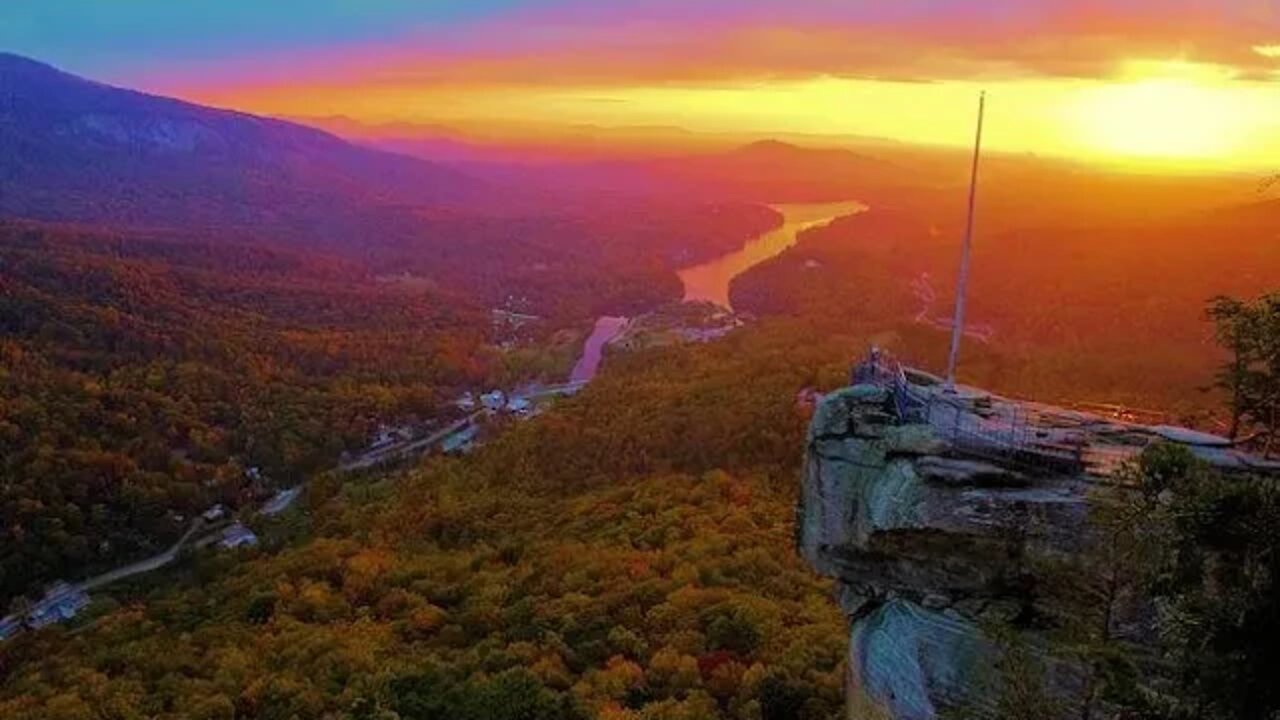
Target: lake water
{"x": 606, "y": 329}
{"x": 710, "y": 281}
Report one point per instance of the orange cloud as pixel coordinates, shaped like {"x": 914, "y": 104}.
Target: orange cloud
{"x": 658, "y": 41}
{"x": 903, "y": 69}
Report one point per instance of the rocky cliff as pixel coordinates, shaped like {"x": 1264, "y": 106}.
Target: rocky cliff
{"x": 942, "y": 516}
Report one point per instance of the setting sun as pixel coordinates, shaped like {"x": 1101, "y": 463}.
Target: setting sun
{"x": 1174, "y": 112}
{"x": 1162, "y": 118}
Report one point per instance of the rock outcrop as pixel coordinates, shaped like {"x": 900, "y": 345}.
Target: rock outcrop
{"x": 937, "y": 513}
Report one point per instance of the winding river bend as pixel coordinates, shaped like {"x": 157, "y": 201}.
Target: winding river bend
{"x": 606, "y": 329}
{"x": 710, "y": 280}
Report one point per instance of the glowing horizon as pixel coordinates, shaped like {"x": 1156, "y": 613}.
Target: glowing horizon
{"x": 1164, "y": 83}
{"x": 1150, "y": 120}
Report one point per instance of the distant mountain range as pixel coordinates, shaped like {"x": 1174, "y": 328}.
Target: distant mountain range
{"x": 783, "y": 172}
{"x": 80, "y": 151}
{"x": 73, "y": 151}
{"x": 77, "y": 150}
{"x": 660, "y": 161}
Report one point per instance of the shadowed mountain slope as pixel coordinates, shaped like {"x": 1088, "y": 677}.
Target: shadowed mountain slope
{"x": 78, "y": 150}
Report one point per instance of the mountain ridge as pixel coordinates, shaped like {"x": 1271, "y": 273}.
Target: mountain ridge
{"x": 79, "y": 150}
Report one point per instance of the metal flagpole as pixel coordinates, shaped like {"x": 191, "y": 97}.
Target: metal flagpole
{"x": 962, "y": 284}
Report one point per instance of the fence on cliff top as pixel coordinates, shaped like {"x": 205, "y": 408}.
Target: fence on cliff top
{"x": 972, "y": 425}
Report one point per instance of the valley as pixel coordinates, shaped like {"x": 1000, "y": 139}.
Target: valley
{"x": 352, "y": 423}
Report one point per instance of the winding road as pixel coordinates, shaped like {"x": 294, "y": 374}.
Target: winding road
{"x": 394, "y": 452}
{"x": 155, "y": 562}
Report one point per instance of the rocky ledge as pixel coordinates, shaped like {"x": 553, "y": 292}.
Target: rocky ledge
{"x": 936, "y": 512}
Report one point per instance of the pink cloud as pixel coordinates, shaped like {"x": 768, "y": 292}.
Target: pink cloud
{"x": 580, "y": 42}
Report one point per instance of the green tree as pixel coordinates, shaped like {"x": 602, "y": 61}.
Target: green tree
{"x": 1219, "y": 592}
{"x": 781, "y": 698}
{"x": 1250, "y": 332}
{"x": 730, "y": 628}
{"x": 1118, "y": 565}
{"x": 1204, "y": 550}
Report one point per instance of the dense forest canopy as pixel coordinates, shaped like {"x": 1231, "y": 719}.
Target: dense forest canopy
{"x": 142, "y": 378}
{"x": 628, "y": 554}
{"x": 629, "y": 551}
{"x": 145, "y": 372}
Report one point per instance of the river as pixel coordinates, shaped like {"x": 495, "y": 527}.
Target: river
{"x": 710, "y": 280}
{"x": 606, "y": 329}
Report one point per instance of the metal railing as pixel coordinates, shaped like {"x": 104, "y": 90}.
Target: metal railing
{"x": 977, "y": 426}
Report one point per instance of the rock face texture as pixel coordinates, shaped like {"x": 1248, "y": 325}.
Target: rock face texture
{"x": 909, "y": 535}
{"x": 937, "y": 513}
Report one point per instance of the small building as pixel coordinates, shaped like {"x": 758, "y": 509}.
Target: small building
{"x": 493, "y": 400}
{"x": 60, "y": 603}
{"x": 215, "y": 513}
{"x": 237, "y": 535}
{"x": 254, "y": 473}
{"x": 519, "y": 406}
{"x": 384, "y": 437}
{"x": 465, "y": 402}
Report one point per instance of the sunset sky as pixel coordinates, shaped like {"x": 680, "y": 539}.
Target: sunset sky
{"x": 1184, "y": 82}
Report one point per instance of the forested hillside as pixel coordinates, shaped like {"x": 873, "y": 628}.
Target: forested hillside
{"x": 84, "y": 151}
{"x": 1079, "y": 300}
{"x": 629, "y": 552}
{"x": 141, "y": 377}
{"x": 628, "y": 555}
{"x": 229, "y": 292}
{"x": 573, "y": 261}
{"x": 78, "y": 151}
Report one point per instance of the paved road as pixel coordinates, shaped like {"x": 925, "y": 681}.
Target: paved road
{"x": 421, "y": 445}
{"x": 393, "y": 452}
{"x": 568, "y": 388}
{"x": 367, "y": 460}
{"x": 154, "y": 562}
